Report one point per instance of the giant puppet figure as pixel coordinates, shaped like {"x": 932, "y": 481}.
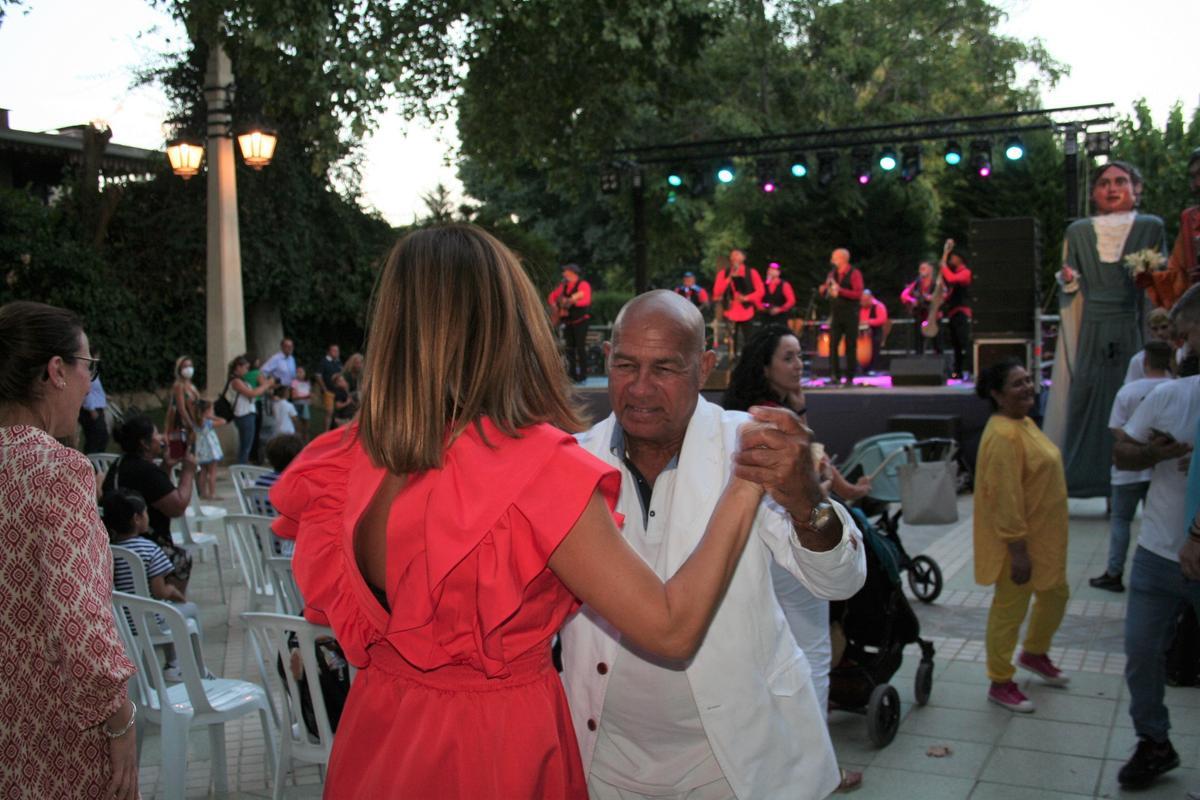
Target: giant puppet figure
{"x": 1101, "y": 324}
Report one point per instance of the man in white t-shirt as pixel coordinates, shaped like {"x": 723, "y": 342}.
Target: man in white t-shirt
{"x": 1129, "y": 487}
{"x": 1159, "y": 435}
{"x": 1160, "y": 330}
{"x": 283, "y": 412}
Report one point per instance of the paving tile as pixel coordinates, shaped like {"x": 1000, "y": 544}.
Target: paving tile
{"x": 1069, "y": 738}
{"x": 1123, "y": 740}
{"x": 984, "y": 726}
{"x": 1003, "y": 791}
{"x": 910, "y": 753}
{"x": 1047, "y": 771}
{"x": 1062, "y": 706}
{"x": 952, "y": 694}
{"x": 965, "y": 672}
{"x": 1171, "y": 786}
{"x": 890, "y": 784}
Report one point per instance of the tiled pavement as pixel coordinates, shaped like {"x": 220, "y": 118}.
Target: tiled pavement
{"x": 1070, "y": 748}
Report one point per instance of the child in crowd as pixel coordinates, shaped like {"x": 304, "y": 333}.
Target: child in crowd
{"x": 208, "y": 448}
{"x": 126, "y": 519}
{"x": 283, "y": 413}
{"x": 302, "y": 400}
{"x": 344, "y": 407}
{"x": 281, "y": 451}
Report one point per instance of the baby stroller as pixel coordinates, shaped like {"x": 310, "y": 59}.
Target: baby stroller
{"x": 876, "y": 623}
{"x": 880, "y": 458}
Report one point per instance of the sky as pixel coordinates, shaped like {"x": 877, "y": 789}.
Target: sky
{"x": 66, "y": 62}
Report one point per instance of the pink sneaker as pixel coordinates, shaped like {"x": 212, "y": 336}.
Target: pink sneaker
{"x": 1041, "y": 666}
{"x": 1011, "y": 697}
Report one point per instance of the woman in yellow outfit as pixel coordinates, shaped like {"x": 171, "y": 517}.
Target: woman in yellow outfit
{"x": 1020, "y": 534}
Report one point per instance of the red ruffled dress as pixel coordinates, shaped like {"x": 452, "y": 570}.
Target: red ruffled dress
{"x": 457, "y": 696}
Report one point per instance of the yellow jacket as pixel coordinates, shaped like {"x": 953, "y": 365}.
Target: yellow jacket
{"x": 1020, "y": 495}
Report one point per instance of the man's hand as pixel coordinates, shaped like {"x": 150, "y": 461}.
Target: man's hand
{"x": 1067, "y": 273}
{"x": 777, "y": 454}
{"x": 1022, "y": 566}
{"x": 1189, "y": 559}
{"x": 1164, "y": 446}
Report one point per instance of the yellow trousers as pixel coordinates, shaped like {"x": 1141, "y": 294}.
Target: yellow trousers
{"x": 1009, "y": 606}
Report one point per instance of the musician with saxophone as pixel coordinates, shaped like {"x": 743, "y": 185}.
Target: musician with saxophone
{"x": 956, "y": 278}
{"x": 570, "y": 304}
{"x": 844, "y": 288}
{"x": 917, "y": 297}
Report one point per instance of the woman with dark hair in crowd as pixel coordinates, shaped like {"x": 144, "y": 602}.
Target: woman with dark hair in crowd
{"x": 141, "y": 443}
{"x": 245, "y": 415}
{"x": 1020, "y": 533}
{"x": 770, "y": 372}
{"x": 66, "y": 722}
{"x": 449, "y": 531}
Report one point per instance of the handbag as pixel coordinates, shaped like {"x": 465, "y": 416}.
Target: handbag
{"x": 223, "y": 408}
{"x": 929, "y": 491}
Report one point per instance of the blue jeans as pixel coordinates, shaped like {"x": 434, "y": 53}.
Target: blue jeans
{"x": 1156, "y": 589}
{"x": 245, "y": 428}
{"x": 1125, "y": 498}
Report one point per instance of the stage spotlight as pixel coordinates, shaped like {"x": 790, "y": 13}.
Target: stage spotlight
{"x": 826, "y": 167}
{"x": 887, "y": 159}
{"x": 953, "y": 153}
{"x": 726, "y": 172}
{"x": 672, "y": 197}
{"x": 981, "y": 157}
{"x": 765, "y": 169}
{"x": 1098, "y": 143}
{"x": 799, "y": 168}
{"x": 910, "y": 162}
{"x": 861, "y": 165}
{"x": 1014, "y": 149}
{"x": 610, "y": 179}
{"x": 675, "y": 177}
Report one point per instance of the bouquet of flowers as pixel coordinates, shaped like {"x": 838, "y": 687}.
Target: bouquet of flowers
{"x": 1148, "y": 260}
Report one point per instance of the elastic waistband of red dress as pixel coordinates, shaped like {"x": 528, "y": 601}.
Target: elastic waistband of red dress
{"x": 527, "y": 668}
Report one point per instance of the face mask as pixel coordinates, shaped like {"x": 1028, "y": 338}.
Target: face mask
{"x": 187, "y": 372}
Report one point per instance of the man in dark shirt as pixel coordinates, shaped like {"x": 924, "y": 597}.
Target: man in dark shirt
{"x": 331, "y": 365}
{"x": 844, "y": 287}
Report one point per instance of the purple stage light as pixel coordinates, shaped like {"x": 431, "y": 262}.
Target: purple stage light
{"x": 768, "y": 187}
{"x": 864, "y": 179}
{"x": 985, "y": 171}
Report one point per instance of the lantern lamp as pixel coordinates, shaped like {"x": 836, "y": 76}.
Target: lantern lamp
{"x": 257, "y": 146}
{"x": 185, "y": 156}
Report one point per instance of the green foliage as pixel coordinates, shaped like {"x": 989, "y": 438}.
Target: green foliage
{"x": 1162, "y": 155}
{"x": 606, "y": 304}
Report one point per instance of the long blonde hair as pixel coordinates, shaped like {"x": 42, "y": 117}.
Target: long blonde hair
{"x": 456, "y": 333}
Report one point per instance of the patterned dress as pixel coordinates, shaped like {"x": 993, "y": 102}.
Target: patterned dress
{"x": 63, "y": 665}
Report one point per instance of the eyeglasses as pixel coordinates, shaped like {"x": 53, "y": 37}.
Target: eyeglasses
{"x": 93, "y": 365}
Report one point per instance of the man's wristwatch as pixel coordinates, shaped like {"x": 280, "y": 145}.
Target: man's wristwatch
{"x": 820, "y": 519}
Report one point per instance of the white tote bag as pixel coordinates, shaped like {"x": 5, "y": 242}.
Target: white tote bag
{"x": 929, "y": 492}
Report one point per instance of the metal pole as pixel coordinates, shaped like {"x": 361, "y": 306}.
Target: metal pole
{"x": 1071, "y": 169}
{"x": 226, "y": 317}
{"x": 640, "y": 280}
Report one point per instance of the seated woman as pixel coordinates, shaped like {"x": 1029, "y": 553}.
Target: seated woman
{"x": 141, "y": 443}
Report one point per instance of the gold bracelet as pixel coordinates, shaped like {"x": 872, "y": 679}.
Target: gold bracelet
{"x": 128, "y": 725}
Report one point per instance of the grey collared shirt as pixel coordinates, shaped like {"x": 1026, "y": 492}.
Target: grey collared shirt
{"x": 645, "y": 489}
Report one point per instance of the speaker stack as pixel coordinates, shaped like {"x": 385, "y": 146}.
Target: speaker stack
{"x": 1005, "y": 259}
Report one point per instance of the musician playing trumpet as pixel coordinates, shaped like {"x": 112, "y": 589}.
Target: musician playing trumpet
{"x": 738, "y": 289}
{"x": 844, "y": 287}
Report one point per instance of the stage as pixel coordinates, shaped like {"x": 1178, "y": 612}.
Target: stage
{"x": 842, "y": 416}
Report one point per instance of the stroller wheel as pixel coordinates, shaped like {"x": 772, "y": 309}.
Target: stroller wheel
{"x": 883, "y": 715}
{"x": 923, "y": 685}
{"x": 925, "y": 578}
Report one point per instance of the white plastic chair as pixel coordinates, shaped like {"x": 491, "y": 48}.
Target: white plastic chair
{"x": 243, "y": 477}
{"x": 270, "y": 634}
{"x": 252, "y": 540}
{"x": 101, "y": 462}
{"x": 141, "y": 587}
{"x": 258, "y": 501}
{"x": 287, "y": 593}
{"x": 187, "y": 533}
{"x": 175, "y": 708}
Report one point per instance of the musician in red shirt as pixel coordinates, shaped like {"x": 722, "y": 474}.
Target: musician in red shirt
{"x": 844, "y": 288}
{"x": 693, "y": 292}
{"x": 957, "y": 306}
{"x": 738, "y": 288}
{"x": 873, "y": 314}
{"x": 569, "y": 304}
{"x": 917, "y": 297}
{"x": 777, "y": 299}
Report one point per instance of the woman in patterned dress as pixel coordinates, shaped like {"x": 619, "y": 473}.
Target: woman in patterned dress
{"x": 66, "y": 722}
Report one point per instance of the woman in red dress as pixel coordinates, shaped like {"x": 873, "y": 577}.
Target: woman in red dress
{"x": 449, "y": 531}
{"x": 66, "y": 723}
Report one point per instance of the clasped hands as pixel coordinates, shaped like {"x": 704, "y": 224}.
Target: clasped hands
{"x": 774, "y": 451}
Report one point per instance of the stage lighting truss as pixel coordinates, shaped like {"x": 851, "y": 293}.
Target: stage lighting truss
{"x": 1014, "y": 148}
{"x": 981, "y": 158}
{"x": 799, "y": 166}
{"x": 827, "y": 161}
{"x": 1098, "y": 143}
{"x": 860, "y": 159}
{"x": 887, "y": 159}
{"x": 953, "y": 155}
{"x": 910, "y": 162}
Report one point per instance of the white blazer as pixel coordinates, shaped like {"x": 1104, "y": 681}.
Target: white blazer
{"x": 751, "y": 682}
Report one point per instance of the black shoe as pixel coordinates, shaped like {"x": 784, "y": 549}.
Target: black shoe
{"x": 1150, "y": 760}
{"x": 1111, "y": 583}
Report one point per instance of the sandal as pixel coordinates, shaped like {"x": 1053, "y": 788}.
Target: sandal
{"x": 851, "y": 780}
